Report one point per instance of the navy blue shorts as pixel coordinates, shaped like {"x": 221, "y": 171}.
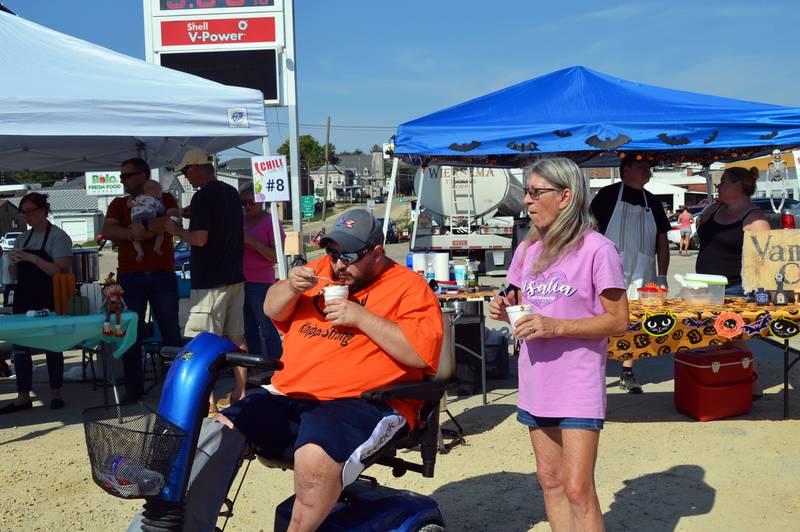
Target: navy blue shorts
{"x": 537, "y": 422}
{"x": 349, "y": 430}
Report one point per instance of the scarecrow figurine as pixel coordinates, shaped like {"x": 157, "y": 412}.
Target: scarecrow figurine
{"x": 112, "y": 300}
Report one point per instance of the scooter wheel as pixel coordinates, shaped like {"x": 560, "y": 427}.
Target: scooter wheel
{"x": 431, "y": 527}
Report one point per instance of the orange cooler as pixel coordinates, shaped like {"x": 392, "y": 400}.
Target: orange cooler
{"x": 714, "y": 382}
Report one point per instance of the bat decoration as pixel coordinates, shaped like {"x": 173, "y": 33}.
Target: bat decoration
{"x": 769, "y": 136}
{"x": 694, "y": 322}
{"x": 608, "y": 143}
{"x": 464, "y": 147}
{"x": 636, "y": 326}
{"x": 784, "y": 328}
{"x": 562, "y": 134}
{"x": 729, "y": 324}
{"x": 673, "y": 141}
{"x": 516, "y": 146}
{"x": 659, "y": 324}
{"x": 712, "y": 138}
{"x": 758, "y": 326}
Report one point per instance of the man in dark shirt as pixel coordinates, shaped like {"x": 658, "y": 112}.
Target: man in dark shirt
{"x": 628, "y": 219}
{"x": 149, "y": 281}
{"x": 216, "y": 234}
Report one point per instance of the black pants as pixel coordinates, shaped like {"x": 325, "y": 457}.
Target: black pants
{"x": 24, "y": 368}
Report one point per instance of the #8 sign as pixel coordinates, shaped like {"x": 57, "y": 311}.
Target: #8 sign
{"x": 270, "y": 178}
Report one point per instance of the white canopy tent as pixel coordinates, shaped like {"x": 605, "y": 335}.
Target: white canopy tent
{"x": 69, "y": 105}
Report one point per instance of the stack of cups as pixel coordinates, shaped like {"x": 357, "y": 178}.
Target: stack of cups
{"x": 516, "y": 312}
{"x": 335, "y": 291}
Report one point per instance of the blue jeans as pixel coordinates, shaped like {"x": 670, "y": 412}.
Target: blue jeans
{"x": 259, "y": 331}
{"x": 160, "y": 289}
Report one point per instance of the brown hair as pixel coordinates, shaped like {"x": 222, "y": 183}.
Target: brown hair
{"x": 38, "y": 199}
{"x": 744, "y": 176}
{"x": 139, "y": 165}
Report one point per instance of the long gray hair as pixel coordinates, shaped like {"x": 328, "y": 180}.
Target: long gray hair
{"x": 572, "y": 222}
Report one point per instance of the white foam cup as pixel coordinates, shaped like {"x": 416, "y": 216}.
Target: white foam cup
{"x": 515, "y": 312}
{"x": 333, "y": 292}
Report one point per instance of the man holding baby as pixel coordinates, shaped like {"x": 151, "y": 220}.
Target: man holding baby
{"x": 148, "y": 277}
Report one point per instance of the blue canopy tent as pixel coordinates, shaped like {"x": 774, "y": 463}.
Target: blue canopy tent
{"x": 594, "y": 119}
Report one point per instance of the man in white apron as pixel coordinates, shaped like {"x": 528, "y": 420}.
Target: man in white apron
{"x": 635, "y": 221}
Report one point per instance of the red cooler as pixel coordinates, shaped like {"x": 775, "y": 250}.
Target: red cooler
{"x": 714, "y": 382}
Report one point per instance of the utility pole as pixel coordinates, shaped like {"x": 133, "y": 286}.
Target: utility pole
{"x": 325, "y": 179}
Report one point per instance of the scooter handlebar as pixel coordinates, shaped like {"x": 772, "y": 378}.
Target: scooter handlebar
{"x": 248, "y": 360}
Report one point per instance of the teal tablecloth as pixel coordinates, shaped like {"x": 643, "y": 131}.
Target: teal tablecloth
{"x": 61, "y": 333}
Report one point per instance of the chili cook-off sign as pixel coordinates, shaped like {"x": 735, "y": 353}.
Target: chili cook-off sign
{"x": 767, "y": 253}
{"x": 270, "y": 178}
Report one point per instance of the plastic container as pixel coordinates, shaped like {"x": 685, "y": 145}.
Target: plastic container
{"x": 704, "y": 289}
{"x": 650, "y": 297}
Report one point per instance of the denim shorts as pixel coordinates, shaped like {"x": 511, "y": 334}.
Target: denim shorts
{"x": 537, "y": 422}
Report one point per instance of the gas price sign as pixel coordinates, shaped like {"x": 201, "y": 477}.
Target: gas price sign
{"x": 178, "y": 5}
{"x": 233, "y": 42}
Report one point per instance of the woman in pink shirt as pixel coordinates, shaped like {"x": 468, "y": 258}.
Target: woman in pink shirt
{"x": 685, "y": 229}
{"x": 572, "y": 278}
{"x": 259, "y": 274}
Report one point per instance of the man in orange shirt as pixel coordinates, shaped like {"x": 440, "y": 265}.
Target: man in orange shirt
{"x": 389, "y": 329}
{"x": 151, "y": 280}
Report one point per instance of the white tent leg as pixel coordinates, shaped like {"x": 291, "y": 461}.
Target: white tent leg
{"x": 276, "y": 230}
{"x": 419, "y": 207}
{"x": 389, "y": 198}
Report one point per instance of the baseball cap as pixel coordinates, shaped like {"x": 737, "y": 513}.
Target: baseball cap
{"x": 194, "y": 156}
{"x": 353, "y": 231}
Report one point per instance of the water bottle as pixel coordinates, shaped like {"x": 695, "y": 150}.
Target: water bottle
{"x": 430, "y": 274}
{"x": 129, "y": 478}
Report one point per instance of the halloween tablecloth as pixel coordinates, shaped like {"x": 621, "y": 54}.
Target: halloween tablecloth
{"x": 679, "y": 326}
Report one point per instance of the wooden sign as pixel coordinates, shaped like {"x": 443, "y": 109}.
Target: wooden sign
{"x": 767, "y": 253}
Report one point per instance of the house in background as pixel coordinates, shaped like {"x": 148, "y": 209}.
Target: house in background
{"x": 10, "y": 218}
{"x": 77, "y": 213}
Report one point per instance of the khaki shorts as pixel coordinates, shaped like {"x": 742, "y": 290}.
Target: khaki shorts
{"x": 217, "y": 310}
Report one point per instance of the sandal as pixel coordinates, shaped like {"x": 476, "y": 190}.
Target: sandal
{"x": 227, "y": 401}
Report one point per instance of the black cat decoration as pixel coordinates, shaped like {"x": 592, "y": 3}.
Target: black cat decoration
{"x": 783, "y": 328}
{"x": 659, "y": 324}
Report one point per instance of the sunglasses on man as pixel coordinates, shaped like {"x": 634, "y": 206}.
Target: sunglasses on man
{"x": 127, "y": 175}
{"x": 347, "y": 258}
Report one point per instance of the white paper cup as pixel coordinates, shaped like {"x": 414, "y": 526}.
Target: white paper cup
{"x": 516, "y": 312}
{"x": 335, "y": 291}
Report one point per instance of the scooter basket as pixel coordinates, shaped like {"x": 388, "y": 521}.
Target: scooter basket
{"x": 131, "y": 449}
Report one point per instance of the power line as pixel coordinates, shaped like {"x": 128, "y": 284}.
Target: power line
{"x": 323, "y": 126}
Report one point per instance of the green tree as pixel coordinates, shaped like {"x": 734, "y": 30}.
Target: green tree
{"x": 375, "y": 148}
{"x": 357, "y": 151}
{"x": 312, "y": 153}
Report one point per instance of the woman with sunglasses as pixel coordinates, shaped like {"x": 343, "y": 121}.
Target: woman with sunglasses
{"x": 259, "y": 274}
{"x": 41, "y": 252}
{"x": 572, "y": 277}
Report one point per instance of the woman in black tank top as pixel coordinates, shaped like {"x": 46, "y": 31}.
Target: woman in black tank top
{"x": 721, "y": 228}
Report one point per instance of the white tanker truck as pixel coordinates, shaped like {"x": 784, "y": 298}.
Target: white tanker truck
{"x": 474, "y": 212}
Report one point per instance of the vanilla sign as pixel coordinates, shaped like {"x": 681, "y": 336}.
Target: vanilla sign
{"x": 769, "y": 253}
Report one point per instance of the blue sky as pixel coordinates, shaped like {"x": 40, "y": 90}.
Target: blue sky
{"x": 376, "y": 64}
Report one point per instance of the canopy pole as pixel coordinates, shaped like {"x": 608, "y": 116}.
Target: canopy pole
{"x": 709, "y": 182}
{"x": 280, "y": 258}
{"x": 389, "y": 197}
{"x": 291, "y": 104}
{"x": 419, "y": 206}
